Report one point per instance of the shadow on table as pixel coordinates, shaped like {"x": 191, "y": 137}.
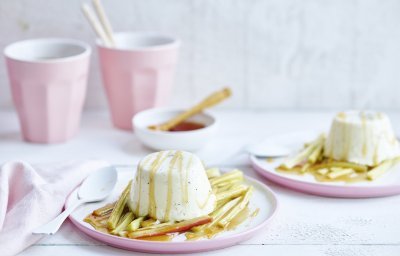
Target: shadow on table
{"x": 10, "y": 136}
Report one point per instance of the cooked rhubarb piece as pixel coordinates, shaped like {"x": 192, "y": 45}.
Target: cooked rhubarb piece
{"x": 125, "y": 220}
{"x": 135, "y": 224}
{"x": 236, "y": 209}
{"x": 173, "y": 228}
{"x": 105, "y": 210}
{"x": 119, "y": 208}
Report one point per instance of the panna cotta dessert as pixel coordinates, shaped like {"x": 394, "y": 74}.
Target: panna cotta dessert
{"x": 173, "y": 195}
{"x": 360, "y": 137}
{"x": 171, "y": 186}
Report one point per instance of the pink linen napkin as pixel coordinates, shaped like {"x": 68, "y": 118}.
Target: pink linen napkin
{"x": 31, "y": 196}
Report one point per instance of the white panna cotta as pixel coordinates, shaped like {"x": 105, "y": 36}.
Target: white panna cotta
{"x": 361, "y": 137}
{"x": 171, "y": 186}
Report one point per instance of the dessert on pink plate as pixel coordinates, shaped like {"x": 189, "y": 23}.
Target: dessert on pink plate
{"x": 172, "y": 193}
{"x": 364, "y": 137}
{"x": 360, "y": 146}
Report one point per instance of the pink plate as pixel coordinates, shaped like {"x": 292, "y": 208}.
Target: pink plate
{"x": 263, "y": 198}
{"x": 387, "y": 185}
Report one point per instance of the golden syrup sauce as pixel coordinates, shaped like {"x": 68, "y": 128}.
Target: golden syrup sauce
{"x": 330, "y": 143}
{"x": 270, "y": 159}
{"x": 375, "y": 157}
{"x": 98, "y": 222}
{"x": 364, "y": 133}
{"x": 169, "y": 192}
{"x": 341, "y": 115}
{"x": 202, "y": 205}
{"x": 212, "y": 231}
{"x": 186, "y": 188}
{"x": 356, "y": 177}
{"x": 154, "y": 168}
{"x": 148, "y": 223}
{"x": 255, "y": 213}
{"x": 162, "y": 238}
{"x": 139, "y": 176}
{"x": 346, "y": 136}
{"x": 192, "y": 236}
{"x": 187, "y": 126}
{"x": 105, "y": 210}
{"x": 181, "y": 177}
{"x": 239, "y": 219}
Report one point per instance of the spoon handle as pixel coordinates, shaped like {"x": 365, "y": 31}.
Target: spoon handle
{"x": 54, "y": 225}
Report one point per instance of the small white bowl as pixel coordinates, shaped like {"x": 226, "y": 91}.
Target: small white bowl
{"x": 182, "y": 140}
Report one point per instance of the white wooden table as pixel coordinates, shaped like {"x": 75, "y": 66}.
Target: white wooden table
{"x": 305, "y": 224}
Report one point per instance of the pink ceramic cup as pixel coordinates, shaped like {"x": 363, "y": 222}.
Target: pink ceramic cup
{"x": 138, "y": 73}
{"x": 48, "y": 80}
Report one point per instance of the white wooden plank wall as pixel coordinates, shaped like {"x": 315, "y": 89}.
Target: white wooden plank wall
{"x": 276, "y": 54}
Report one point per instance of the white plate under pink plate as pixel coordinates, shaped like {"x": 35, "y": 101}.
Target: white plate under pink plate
{"x": 263, "y": 198}
{"x": 386, "y": 185}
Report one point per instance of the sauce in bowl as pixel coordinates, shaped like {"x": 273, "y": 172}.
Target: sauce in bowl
{"x": 187, "y": 126}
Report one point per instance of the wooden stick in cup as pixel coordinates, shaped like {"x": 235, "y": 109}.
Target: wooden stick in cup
{"x": 210, "y": 101}
{"x": 101, "y": 14}
{"x": 95, "y": 24}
